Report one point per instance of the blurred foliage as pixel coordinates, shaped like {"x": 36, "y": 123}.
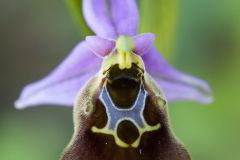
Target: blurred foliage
{"x": 160, "y": 17}
{"x": 205, "y": 40}
{"x": 75, "y": 8}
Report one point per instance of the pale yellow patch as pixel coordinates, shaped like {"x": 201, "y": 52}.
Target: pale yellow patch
{"x": 123, "y": 55}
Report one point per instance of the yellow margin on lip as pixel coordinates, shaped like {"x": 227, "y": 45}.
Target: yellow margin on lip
{"x": 118, "y": 141}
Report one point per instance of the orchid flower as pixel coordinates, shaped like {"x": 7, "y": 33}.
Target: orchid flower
{"x": 119, "y": 85}
{"x": 111, "y": 21}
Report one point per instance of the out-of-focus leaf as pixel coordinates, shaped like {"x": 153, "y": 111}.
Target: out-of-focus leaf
{"x": 75, "y": 7}
{"x": 161, "y": 18}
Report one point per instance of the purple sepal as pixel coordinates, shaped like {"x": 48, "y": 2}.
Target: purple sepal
{"x": 111, "y": 18}
{"x": 61, "y": 85}
{"x": 176, "y": 85}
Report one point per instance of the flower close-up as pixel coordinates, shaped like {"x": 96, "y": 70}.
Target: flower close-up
{"x": 110, "y": 21}
{"x": 119, "y": 80}
{"x": 120, "y": 87}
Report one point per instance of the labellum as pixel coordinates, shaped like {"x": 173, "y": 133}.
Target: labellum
{"x": 121, "y": 113}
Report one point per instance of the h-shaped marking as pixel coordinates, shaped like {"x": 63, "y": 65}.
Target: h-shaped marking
{"x": 116, "y": 115}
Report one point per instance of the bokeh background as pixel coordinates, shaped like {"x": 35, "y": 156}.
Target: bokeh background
{"x": 201, "y": 37}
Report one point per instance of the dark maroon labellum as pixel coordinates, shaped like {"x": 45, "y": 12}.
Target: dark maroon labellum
{"x": 128, "y": 120}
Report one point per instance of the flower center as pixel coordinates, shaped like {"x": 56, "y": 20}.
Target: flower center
{"x": 123, "y": 55}
{"x": 124, "y": 46}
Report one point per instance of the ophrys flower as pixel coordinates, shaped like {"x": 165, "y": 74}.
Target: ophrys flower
{"x": 118, "y": 70}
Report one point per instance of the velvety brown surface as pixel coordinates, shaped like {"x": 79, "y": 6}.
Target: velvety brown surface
{"x": 156, "y": 145}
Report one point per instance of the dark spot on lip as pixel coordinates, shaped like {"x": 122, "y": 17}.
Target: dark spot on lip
{"x": 123, "y": 85}
{"x": 114, "y": 73}
{"x": 124, "y": 82}
{"x": 117, "y": 78}
{"x": 127, "y": 132}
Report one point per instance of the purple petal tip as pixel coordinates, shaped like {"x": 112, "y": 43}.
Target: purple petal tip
{"x": 100, "y": 46}
{"x": 143, "y": 42}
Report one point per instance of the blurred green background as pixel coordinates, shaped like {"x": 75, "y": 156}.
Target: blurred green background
{"x": 198, "y": 37}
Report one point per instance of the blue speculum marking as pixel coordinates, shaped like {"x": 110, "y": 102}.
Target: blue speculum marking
{"x": 116, "y": 115}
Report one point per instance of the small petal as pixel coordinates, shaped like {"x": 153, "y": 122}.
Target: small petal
{"x": 125, "y": 16}
{"x": 100, "y": 46}
{"x": 176, "y": 85}
{"x": 61, "y": 86}
{"x": 143, "y": 42}
{"x": 96, "y": 13}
